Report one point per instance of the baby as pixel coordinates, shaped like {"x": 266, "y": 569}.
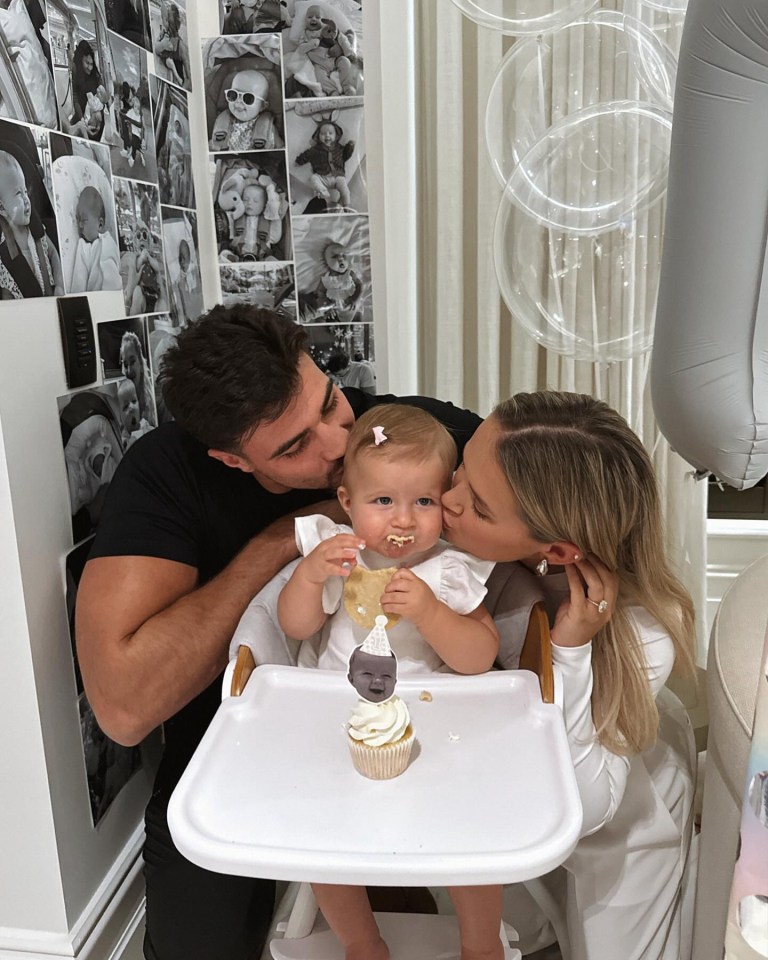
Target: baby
{"x": 340, "y": 287}
{"x": 246, "y": 124}
{"x": 187, "y": 296}
{"x": 132, "y": 423}
{"x": 96, "y": 264}
{"x": 260, "y": 224}
{"x": 323, "y": 59}
{"x": 93, "y": 115}
{"x": 134, "y": 119}
{"x": 29, "y": 262}
{"x": 327, "y": 157}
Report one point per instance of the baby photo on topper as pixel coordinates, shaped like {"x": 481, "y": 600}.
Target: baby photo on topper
{"x": 372, "y": 667}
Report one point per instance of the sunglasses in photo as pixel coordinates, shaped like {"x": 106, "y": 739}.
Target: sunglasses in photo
{"x": 248, "y": 98}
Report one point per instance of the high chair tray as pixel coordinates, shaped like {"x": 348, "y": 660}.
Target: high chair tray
{"x": 489, "y": 795}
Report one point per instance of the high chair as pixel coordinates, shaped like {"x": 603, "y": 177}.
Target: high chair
{"x": 409, "y": 936}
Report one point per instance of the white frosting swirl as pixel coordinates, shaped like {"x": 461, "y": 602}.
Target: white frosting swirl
{"x": 377, "y": 724}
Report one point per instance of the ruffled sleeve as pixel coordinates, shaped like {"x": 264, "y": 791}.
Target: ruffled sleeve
{"x": 311, "y": 531}
{"x": 462, "y": 580}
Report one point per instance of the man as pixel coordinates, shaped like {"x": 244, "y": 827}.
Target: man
{"x": 351, "y": 373}
{"x": 198, "y": 518}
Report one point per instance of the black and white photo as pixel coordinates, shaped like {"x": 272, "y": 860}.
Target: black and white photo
{"x": 163, "y": 330}
{"x": 346, "y": 353}
{"x": 129, "y": 19}
{"x": 250, "y": 207}
{"x": 174, "y": 149}
{"x": 91, "y": 435}
{"x": 325, "y": 140}
{"x": 253, "y": 16}
{"x": 261, "y": 284}
{"x": 170, "y": 43}
{"x": 27, "y": 90}
{"x": 85, "y": 214}
{"x": 243, "y": 93}
{"x": 133, "y": 147}
{"x": 30, "y": 265}
{"x": 108, "y": 765}
{"x": 333, "y": 269}
{"x": 182, "y": 264}
{"x": 142, "y": 262}
{"x": 73, "y": 569}
{"x": 322, "y": 50}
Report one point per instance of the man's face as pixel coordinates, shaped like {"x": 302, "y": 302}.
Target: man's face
{"x": 303, "y": 448}
{"x": 373, "y": 677}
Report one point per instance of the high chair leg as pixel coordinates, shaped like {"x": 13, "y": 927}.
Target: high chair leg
{"x": 553, "y": 911}
{"x": 303, "y": 914}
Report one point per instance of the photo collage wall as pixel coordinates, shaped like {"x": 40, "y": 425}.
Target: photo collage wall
{"x": 284, "y": 93}
{"x": 96, "y": 194}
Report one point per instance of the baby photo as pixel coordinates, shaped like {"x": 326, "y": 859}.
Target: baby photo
{"x": 250, "y": 207}
{"x": 325, "y": 140}
{"x": 168, "y": 19}
{"x": 243, "y": 93}
{"x": 333, "y": 269}
{"x": 163, "y": 330}
{"x": 108, "y": 765}
{"x": 345, "y": 352}
{"x": 91, "y": 433}
{"x": 129, "y": 19}
{"x": 27, "y": 90}
{"x": 253, "y": 16}
{"x": 142, "y": 264}
{"x": 82, "y": 71}
{"x": 182, "y": 264}
{"x": 123, "y": 352}
{"x": 30, "y": 265}
{"x": 322, "y": 52}
{"x": 85, "y": 214}
{"x": 262, "y": 284}
{"x": 133, "y": 145}
{"x": 174, "y": 151}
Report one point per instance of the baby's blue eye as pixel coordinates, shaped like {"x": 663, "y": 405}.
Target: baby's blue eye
{"x": 424, "y": 501}
{"x": 384, "y": 501}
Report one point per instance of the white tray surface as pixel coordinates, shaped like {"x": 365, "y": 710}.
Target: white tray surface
{"x": 489, "y": 795}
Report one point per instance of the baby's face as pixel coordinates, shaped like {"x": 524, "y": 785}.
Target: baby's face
{"x": 327, "y": 135}
{"x": 15, "y": 204}
{"x": 314, "y": 21}
{"x": 89, "y": 224}
{"x": 129, "y": 406}
{"x": 129, "y": 361}
{"x": 183, "y": 259}
{"x": 247, "y": 95}
{"x": 255, "y": 199}
{"x": 254, "y": 5}
{"x": 336, "y": 258}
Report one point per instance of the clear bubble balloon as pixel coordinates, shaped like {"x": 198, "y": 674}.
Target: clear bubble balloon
{"x": 523, "y": 17}
{"x": 669, "y": 6}
{"x": 596, "y": 168}
{"x": 541, "y": 80}
{"x": 587, "y": 297}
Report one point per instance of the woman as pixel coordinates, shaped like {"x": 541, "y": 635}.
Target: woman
{"x": 85, "y": 79}
{"x": 559, "y": 483}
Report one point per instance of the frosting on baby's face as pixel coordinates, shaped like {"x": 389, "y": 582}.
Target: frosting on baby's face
{"x": 247, "y": 95}
{"x": 254, "y": 199}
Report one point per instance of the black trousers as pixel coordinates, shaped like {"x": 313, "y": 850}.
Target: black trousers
{"x": 192, "y": 913}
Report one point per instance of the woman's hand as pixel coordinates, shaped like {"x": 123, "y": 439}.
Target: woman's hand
{"x": 579, "y": 618}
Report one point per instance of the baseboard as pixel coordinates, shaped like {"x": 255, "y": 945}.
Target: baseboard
{"x": 103, "y": 929}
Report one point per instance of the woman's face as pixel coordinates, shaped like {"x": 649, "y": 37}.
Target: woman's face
{"x": 88, "y": 63}
{"x": 480, "y": 512}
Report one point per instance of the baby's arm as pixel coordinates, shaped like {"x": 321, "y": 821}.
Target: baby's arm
{"x": 58, "y": 276}
{"x": 300, "y": 605}
{"x": 352, "y": 300}
{"x": 303, "y": 157}
{"x": 347, "y": 150}
{"x": 304, "y": 46}
{"x": 466, "y": 643}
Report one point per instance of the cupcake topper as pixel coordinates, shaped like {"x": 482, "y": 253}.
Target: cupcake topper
{"x": 372, "y": 667}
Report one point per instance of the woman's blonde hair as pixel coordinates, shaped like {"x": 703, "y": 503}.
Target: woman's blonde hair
{"x": 580, "y": 474}
{"x": 411, "y": 433}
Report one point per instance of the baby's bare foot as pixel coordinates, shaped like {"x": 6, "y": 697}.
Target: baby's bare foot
{"x": 373, "y": 950}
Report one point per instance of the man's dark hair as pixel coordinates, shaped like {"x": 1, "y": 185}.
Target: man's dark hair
{"x": 229, "y": 371}
{"x": 337, "y": 362}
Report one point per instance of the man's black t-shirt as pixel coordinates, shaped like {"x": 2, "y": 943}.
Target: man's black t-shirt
{"x": 169, "y": 499}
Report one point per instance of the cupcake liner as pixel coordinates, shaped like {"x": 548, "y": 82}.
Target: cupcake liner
{"x": 384, "y": 762}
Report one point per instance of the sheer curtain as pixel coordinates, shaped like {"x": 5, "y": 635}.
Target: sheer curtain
{"x": 471, "y": 350}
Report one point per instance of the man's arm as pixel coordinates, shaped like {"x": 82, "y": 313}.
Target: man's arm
{"x": 149, "y": 639}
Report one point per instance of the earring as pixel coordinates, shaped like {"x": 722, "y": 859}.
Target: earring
{"x": 541, "y": 568}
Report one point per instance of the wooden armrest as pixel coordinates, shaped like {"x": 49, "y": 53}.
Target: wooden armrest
{"x": 536, "y": 654}
{"x": 244, "y": 667}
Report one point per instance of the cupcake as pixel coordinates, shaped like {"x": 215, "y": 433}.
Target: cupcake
{"x": 380, "y": 738}
{"x": 379, "y": 731}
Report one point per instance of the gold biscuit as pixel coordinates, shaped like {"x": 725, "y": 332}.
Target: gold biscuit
{"x": 362, "y": 596}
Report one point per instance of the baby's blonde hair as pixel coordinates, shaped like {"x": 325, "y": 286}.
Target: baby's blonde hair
{"x": 413, "y": 435}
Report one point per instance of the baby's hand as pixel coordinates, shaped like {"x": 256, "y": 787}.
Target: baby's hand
{"x": 409, "y": 596}
{"x": 331, "y": 558}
